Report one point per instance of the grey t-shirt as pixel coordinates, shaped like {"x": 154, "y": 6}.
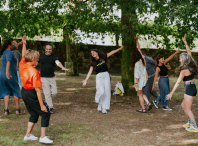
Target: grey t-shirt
{"x": 17, "y": 54}
{"x": 150, "y": 64}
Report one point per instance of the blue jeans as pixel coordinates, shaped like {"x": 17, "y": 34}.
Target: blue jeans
{"x": 164, "y": 90}
{"x": 148, "y": 88}
{"x": 19, "y": 80}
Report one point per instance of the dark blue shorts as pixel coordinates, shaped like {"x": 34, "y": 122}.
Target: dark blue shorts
{"x": 190, "y": 89}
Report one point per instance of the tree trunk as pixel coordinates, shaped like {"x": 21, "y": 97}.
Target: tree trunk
{"x": 129, "y": 22}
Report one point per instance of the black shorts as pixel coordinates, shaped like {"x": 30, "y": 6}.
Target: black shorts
{"x": 190, "y": 89}
{"x": 32, "y": 104}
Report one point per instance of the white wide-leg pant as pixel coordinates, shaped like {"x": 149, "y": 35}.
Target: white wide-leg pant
{"x": 103, "y": 90}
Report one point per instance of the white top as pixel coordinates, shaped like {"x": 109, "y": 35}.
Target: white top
{"x": 140, "y": 73}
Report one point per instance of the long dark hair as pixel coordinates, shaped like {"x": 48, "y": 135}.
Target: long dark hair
{"x": 136, "y": 56}
{"x": 5, "y": 46}
{"x": 187, "y": 62}
{"x": 159, "y": 56}
{"x": 101, "y": 55}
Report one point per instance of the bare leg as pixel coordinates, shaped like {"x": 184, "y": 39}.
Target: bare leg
{"x": 188, "y": 100}
{"x": 43, "y": 132}
{"x": 140, "y": 94}
{"x": 184, "y": 107}
{"x": 16, "y": 99}
{"x": 146, "y": 99}
{"x": 29, "y": 129}
{"x": 6, "y": 102}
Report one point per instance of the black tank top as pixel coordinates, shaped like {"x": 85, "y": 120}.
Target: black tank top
{"x": 163, "y": 70}
{"x": 188, "y": 78}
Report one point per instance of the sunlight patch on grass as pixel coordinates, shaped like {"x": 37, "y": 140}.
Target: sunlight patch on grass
{"x": 143, "y": 131}
{"x": 66, "y": 92}
{"x": 178, "y": 126}
{"x": 3, "y": 120}
{"x": 189, "y": 141}
{"x": 62, "y": 103}
{"x": 74, "y": 89}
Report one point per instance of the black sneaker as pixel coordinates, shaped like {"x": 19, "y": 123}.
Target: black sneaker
{"x": 166, "y": 108}
{"x": 155, "y": 102}
{"x": 51, "y": 110}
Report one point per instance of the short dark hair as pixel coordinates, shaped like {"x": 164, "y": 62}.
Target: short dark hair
{"x": 48, "y": 44}
{"x": 5, "y": 46}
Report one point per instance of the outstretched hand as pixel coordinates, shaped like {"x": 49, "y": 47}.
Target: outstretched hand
{"x": 24, "y": 39}
{"x": 84, "y": 83}
{"x": 134, "y": 86}
{"x": 121, "y": 47}
{"x": 178, "y": 51}
{"x": 136, "y": 38}
{"x": 168, "y": 96}
{"x": 65, "y": 69}
{"x": 184, "y": 38}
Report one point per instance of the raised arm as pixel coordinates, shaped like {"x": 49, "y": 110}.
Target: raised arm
{"x": 88, "y": 75}
{"x": 156, "y": 76}
{"x": 181, "y": 76}
{"x": 138, "y": 45}
{"x": 187, "y": 47}
{"x": 114, "y": 51}
{"x": 17, "y": 45}
{"x": 24, "y": 45}
{"x": 170, "y": 57}
{"x": 59, "y": 64}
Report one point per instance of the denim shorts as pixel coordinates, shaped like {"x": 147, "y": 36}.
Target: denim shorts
{"x": 190, "y": 89}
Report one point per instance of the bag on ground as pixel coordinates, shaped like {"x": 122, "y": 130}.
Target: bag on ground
{"x": 119, "y": 90}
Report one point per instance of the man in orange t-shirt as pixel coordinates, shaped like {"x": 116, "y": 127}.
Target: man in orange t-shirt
{"x": 31, "y": 94}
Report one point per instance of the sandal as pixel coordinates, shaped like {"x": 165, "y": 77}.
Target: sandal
{"x": 20, "y": 111}
{"x": 149, "y": 107}
{"x": 141, "y": 111}
{"x": 7, "y": 112}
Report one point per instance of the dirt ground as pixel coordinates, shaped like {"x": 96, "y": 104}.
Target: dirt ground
{"x": 77, "y": 122}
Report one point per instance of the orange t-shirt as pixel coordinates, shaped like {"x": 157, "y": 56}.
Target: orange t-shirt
{"x": 30, "y": 76}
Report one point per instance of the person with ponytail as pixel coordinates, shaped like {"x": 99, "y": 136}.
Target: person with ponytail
{"x": 187, "y": 69}
{"x": 103, "y": 85}
{"x": 138, "y": 65}
{"x": 8, "y": 77}
{"x": 163, "y": 82}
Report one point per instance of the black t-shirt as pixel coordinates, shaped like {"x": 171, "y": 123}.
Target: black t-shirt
{"x": 101, "y": 65}
{"x": 47, "y": 65}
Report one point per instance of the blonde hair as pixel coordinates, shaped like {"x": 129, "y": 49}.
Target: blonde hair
{"x": 31, "y": 55}
{"x": 14, "y": 42}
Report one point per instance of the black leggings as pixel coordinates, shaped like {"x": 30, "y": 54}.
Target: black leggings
{"x": 32, "y": 104}
{"x": 190, "y": 89}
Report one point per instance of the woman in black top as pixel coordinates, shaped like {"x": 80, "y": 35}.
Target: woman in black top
{"x": 188, "y": 68}
{"x": 103, "y": 85}
{"x": 163, "y": 82}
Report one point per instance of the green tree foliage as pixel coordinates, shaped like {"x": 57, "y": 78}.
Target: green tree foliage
{"x": 35, "y": 17}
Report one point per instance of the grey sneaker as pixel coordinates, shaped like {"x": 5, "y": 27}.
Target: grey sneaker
{"x": 155, "y": 102}
{"x": 166, "y": 108}
{"x": 51, "y": 110}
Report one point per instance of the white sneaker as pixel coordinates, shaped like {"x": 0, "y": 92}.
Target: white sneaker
{"x": 31, "y": 137}
{"x": 166, "y": 108}
{"x": 104, "y": 111}
{"x": 99, "y": 107}
{"x": 45, "y": 140}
